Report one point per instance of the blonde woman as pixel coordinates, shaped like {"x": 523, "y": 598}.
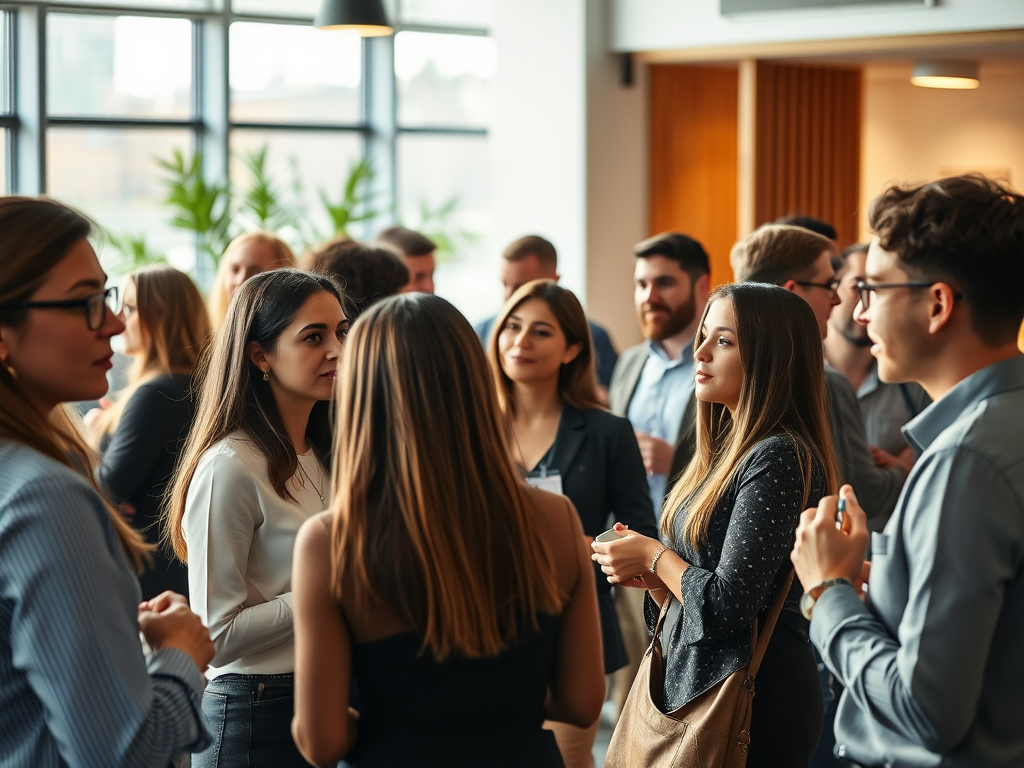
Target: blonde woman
{"x": 248, "y": 254}
{"x": 253, "y": 470}
{"x": 140, "y": 436}
{"x": 75, "y": 687}
{"x": 456, "y": 601}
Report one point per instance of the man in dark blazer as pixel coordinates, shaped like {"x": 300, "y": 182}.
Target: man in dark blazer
{"x": 651, "y": 386}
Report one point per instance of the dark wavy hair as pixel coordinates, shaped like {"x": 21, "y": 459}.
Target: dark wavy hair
{"x": 967, "y": 231}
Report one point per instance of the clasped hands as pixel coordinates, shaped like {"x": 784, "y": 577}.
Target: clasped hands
{"x": 822, "y": 551}
{"x": 627, "y": 561}
{"x": 166, "y": 621}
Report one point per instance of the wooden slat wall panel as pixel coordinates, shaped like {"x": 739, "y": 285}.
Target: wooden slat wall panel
{"x": 693, "y": 157}
{"x": 808, "y": 145}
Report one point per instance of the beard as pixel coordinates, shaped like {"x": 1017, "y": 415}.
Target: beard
{"x": 678, "y": 318}
{"x": 854, "y": 333}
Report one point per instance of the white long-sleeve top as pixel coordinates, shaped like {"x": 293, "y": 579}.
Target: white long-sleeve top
{"x": 240, "y": 535}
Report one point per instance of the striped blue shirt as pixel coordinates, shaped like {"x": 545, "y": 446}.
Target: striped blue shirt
{"x": 75, "y": 688}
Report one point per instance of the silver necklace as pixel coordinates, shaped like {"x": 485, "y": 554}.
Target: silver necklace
{"x": 304, "y": 472}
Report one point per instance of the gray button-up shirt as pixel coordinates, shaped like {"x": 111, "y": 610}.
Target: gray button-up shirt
{"x": 887, "y": 407}
{"x": 933, "y": 664}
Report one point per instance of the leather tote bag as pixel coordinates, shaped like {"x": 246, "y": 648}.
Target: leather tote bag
{"x": 711, "y": 731}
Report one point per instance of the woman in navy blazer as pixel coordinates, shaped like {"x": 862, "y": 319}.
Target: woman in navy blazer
{"x": 564, "y": 439}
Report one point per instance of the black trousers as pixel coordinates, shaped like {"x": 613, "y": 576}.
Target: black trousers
{"x": 786, "y": 719}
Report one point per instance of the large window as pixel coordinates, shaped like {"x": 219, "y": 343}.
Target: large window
{"x": 445, "y": 105}
{"x": 261, "y": 96}
{"x": 7, "y": 120}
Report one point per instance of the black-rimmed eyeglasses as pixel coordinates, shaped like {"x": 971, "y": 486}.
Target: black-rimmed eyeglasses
{"x": 865, "y": 289}
{"x": 832, "y": 286}
{"x": 95, "y": 306}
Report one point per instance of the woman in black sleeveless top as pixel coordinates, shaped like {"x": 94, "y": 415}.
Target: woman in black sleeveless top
{"x": 450, "y": 605}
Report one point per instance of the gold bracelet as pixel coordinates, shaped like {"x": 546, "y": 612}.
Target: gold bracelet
{"x": 654, "y": 562}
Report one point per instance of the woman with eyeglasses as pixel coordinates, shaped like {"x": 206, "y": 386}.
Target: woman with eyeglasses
{"x": 254, "y": 468}
{"x": 141, "y": 434}
{"x": 75, "y": 687}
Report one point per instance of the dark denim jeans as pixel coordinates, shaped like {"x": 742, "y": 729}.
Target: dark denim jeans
{"x": 249, "y": 717}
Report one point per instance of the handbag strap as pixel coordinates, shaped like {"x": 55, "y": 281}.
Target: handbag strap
{"x": 760, "y": 643}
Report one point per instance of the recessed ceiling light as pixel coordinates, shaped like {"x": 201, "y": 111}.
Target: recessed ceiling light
{"x": 953, "y": 75}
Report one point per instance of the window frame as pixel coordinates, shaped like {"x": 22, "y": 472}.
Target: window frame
{"x": 210, "y": 123}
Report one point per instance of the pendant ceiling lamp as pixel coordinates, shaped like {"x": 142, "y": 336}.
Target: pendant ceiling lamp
{"x": 955, "y": 75}
{"x": 366, "y": 17}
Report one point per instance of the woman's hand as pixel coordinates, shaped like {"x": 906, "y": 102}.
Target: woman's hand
{"x": 626, "y": 561}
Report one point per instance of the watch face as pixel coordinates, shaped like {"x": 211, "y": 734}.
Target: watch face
{"x": 807, "y": 602}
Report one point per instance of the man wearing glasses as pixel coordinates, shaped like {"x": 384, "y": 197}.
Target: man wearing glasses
{"x": 931, "y": 657}
{"x": 801, "y": 261}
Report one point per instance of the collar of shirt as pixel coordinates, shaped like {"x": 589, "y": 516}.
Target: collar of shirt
{"x": 656, "y": 351}
{"x": 871, "y": 381}
{"x": 991, "y": 380}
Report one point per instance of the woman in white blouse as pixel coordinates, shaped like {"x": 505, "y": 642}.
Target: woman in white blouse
{"x": 252, "y": 472}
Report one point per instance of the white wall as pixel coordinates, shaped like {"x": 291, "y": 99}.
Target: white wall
{"x": 648, "y": 25}
{"x": 569, "y": 146}
{"x": 539, "y": 136}
{"x": 915, "y": 134}
{"x": 617, "y": 210}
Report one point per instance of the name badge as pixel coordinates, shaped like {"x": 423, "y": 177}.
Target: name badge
{"x": 547, "y": 481}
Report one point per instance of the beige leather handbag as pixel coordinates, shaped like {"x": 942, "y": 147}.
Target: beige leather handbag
{"x": 711, "y": 731}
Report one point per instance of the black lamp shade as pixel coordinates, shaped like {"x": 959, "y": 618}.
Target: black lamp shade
{"x": 366, "y": 17}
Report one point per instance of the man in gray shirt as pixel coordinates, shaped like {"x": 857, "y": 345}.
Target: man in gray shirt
{"x": 885, "y": 408}
{"x": 931, "y": 657}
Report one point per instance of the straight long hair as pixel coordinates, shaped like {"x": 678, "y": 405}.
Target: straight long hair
{"x": 577, "y": 380}
{"x": 35, "y": 235}
{"x": 430, "y": 517}
{"x": 783, "y": 390}
{"x": 233, "y": 396}
{"x": 174, "y": 327}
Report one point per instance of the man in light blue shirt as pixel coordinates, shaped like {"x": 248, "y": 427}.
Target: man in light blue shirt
{"x": 652, "y": 386}
{"x": 931, "y": 659}
{"x": 653, "y": 380}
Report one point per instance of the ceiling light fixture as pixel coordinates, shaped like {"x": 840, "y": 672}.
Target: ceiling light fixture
{"x": 366, "y": 17}
{"x": 955, "y": 75}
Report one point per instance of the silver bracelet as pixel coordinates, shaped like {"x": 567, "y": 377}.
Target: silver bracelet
{"x": 654, "y": 562}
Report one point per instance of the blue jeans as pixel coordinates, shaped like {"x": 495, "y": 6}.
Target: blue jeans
{"x": 249, "y": 717}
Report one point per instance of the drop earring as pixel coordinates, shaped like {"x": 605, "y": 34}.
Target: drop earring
{"x": 266, "y": 374}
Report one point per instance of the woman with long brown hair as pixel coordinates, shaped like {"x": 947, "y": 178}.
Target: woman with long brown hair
{"x": 75, "y": 686}
{"x": 141, "y": 434}
{"x": 542, "y": 358}
{"x": 764, "y": 452}
{"x": 456, "y": 601}
{"x": 253, "y": 470}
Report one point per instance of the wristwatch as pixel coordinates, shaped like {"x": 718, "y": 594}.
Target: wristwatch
{"x": 811, "y": 596}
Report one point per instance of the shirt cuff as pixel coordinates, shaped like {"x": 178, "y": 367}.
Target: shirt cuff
{"x": 833, "y": 608}
{"x": 174, "y": 662}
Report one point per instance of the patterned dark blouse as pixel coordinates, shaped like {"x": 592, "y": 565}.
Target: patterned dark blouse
{"x": 737, "y": 574}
